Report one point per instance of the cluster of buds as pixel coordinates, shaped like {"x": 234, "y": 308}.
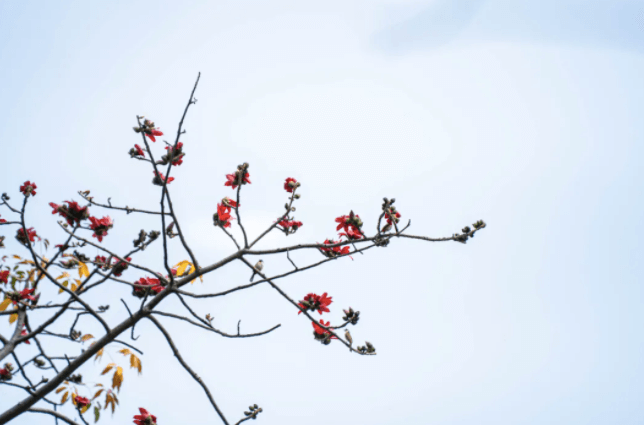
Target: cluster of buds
{"x": 335, "y": 251}
{"x": 72, "y": 212}
{"x": 169, "y": 231}
{"x": 368, "y": 348}
{"x": 5, "y": 372}
{"x": 351, "y": 224}
{"x": 253, "y": 411}
{"x": 101, "y": 226}
{"x": 173, "y": 154}
{"x": 151, "y": 236}
{"x": 145, "y": 285}
{"x": 391, "y": 215}
{"x": 2, "y": 241}
{"x": 290, "y": 185}
{"x": 120, "y": 266}
{"x": 79, "y": 256}
{"x": 149, "y": 130}
{"x": 467, "y": 232}
{"x": 39, "y": 362}
{"x": 28, "y": 188}
{"x": 76, "y": 379}
{"x": 29, "y": 237}
{"x": 351, "y": 316}
{"x": 321, "y": 334}
{"x": 314, "y": 302}
{"x": 240, "y": 177}
{"x": 136, "y": 151}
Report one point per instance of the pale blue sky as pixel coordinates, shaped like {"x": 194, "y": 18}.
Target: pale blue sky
{"x": 526, "y": 116}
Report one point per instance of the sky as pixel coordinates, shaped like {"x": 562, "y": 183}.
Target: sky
{"x": 526, "y": 116}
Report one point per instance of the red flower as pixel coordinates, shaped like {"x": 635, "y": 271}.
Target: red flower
{"x": 222, "y": 217}
{"x": 81, "y": 401}
{"x": 149, "y": 130}
{"x": 352, "y": 233}
{"x": 145, "y": 284}
{"x": 290, "y": 184}
{"x": 24, "y": 332}
{"x": 159, "y": 178}
{"x": 175, "y": 155}
{"x": 322, "y": 334}
{"x": 229, "y": 202}
{"x": 28, "y": 188}
{"x": 145, "y": 418}
{"x": 31, "y": 236}
{"x": 101, "y": 262}
{"x": 137, "y": 151}
{"x": 120, "y": 266}
{"x": 25, "y": 294}
{"x": 315, "y": 302}
{"x": 5, "y": 372}
{"x": 4, "y": 276}
{"x": 101, "y": 226}
{"x": 290, "y": 226}
{"x": 336, "y": 250}
{"x": 2, "y": 220}
{"x": 239, "y": 177}
{"x": 71, "y": 212}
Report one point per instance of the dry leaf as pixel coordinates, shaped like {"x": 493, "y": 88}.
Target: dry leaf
{"x": 99, "y": 355}
{"x": 64, "y": 399}
{"x": 117, "y": 379}
{"x": 5, "y": 304}
{"x": 82, "y": 269}
{"x": 108, "y": 368}
{"x": 87, "y": 337}
{"x": 59, "y": 390}
{"x": 13, "y": 317}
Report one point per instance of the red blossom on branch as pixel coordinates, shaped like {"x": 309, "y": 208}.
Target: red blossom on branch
{"x": 28, "y": 188}
{"x": 239, "y": 177}
{"x": 137, "y": 151}
{"x": 31, "y": 236}
{"x": 159, "y": 178}
{"x": 335, "y": 251}
{"x": 81, "y": 401}
{"x": 72, "y": 212}
{"x": 290, "y": 226}
{"x": 222, "y": 217}
{"x": 229, "y": 202}
{"x": 149, "y": 130}
{"x": 101, "y": 226}
{"x": 2, "y": 220}
{"x": 120, "y": 266}
{"x": 24, "y": 332}
{"x": 148, "y": 283}
{"x": 145, "y": 418}
{"x": 351, "y": 224}
{"x": 5, "y": 372}
{"x": 314, "y": 302}
{"x": 322, "y": 334}
{"x": 175, "y": 155}
{"x": 4, "y": 276}
{"x": 290, "y": 184}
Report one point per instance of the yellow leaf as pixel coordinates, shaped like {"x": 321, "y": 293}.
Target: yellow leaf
{"x": 115, "y": 398}
{"x": 6, "y": 303}
{"x": 99, "y": 354}
{"x": 65, "y": 274}
{"x": 117, "y": 379}
{"x": 59, "y": 390}
{"x": 108, "y": 368}
{"x": 87, "y": 337}
{"x": 32, "y": 273}
{"x": 13, "y": 317}
{"x": 74, "y": 398}
{"x": 84, "y": 409}
{"x": 135, "y": 362}
{"x": 64, "y": 399}
{"x": 98, "y": 392}
{"x": 74, "y": 287}
{"x": 61, "y": 290}
{"x": 181, "y": 267}
{"x": 125, "y": 352}
{"x": 17, "y": 257}
{"x": 82, "y": 269}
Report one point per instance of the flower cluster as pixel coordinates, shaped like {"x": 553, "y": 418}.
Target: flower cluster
{"x": 26, "y": 239}
{"x": 291, "y": 184}
{"x": 146, "y": 284}
{"x": 335, "y": 251}
{"x": 145, "y": 418}
{"x": 4, "y": 276}
{"x": 240, "y": 177}
{"x": 222, "y": 217}
{"x": 173, "y": 155}
{"x": 5, "y": 372}
{"x": 120, "y": 266}
{"x": 136, "y": 151}
{"x": 367, "y": 349}
{"x": 28, "y": 188}
{"x": 351, "y": 316}
{"x": 391, "y": 214}
{"x": 289, "y": 226}
{"x": 322, "y": 334}
{"x": 159, "y": 178}
{"x": 101, "y": 226}
{"x": 149, "y": 130}
{"x": 314, "y": 302}
{"x": 72, "y": 212}
{"x": 351, "y": 225}
{"x": 25, "y": 294}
